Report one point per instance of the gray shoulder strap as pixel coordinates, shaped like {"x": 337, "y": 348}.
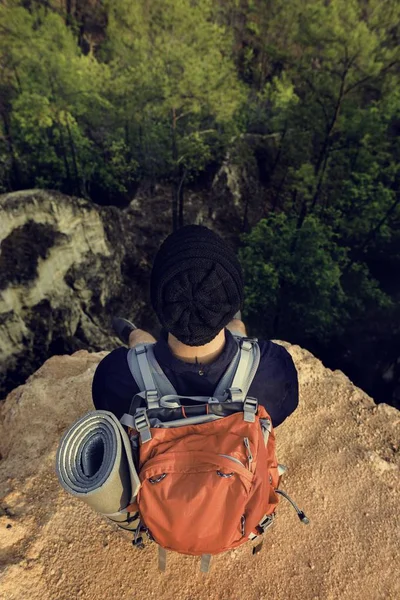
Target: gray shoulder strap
{"x": 247, "y": 367}
{"x": 227, "y": 377}
{"x": 237, "y": 378}
{"x": 138, "y": 366}
{"x": 240, "y": 373}
{"x": 164, "y": 385}
{"x": 147, "y": 372}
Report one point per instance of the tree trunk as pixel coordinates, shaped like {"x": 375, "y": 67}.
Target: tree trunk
{"x": 180, "y": 198}
{"x": 302, "y": 216}
{"x": 77, "y": 186}
{"x": 65, "y": 158}
{"x": 320, "y": 166}
{"x": 68, "y": 17}
{"x": 245, "y": 223}
{"x": 294, "y": 198}
{"x": 274, "y": 166}
{"x": 15, "y": 179}
{"x": 320, "y": 181}
{"x": 275, "y": 204}
{"x": 175, "y": 195}
{"x": 373, "y": 233}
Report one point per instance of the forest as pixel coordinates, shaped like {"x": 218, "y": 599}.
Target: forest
{"x": 98, "y": 96}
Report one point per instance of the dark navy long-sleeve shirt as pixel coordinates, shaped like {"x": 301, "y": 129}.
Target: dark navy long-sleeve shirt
{"x": 275, "y": 384}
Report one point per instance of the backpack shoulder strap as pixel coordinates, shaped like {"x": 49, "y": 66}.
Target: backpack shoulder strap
{"x": 246, "y": 368}
{"x": 242, "y": 369}
{"x": 148, "y": 374}
{"x": 237, "y": 379}
{"x": 235, "y": 382}
{"x": 162, "y": 382}
{"x": 227, "y": 378}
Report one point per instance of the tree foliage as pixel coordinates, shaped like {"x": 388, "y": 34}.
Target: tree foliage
{"x": 97, "y": 96}
{"x": 294, "y": 277}
{"x": 155, "y": 101}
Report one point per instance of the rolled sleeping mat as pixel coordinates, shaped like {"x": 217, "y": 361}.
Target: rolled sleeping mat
{"x": 94, "y": 463}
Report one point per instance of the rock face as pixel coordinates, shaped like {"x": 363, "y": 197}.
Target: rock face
{"x": 66, "y": 266}
{"x": 238, "y": 194}
{"x": 342, "y": 454}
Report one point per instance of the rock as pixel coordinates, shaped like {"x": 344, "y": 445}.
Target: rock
{"x": 66, "y": 266}
{"x": 389, "y": 411}
{"x": 238, "y": 191}
{"x": 56, "y": 547}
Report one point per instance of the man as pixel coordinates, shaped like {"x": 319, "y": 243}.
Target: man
{"x": 197, "y": 293}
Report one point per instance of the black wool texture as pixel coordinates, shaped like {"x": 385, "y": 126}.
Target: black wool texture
{"x": 196, "y": 284}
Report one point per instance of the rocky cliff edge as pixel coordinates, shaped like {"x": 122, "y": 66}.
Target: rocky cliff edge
{"x": 342, "y": 454}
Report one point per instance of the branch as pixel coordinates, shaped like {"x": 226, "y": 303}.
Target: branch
{"x": 373, "y": 232}
{"x": 319, "y": 101}
{"x": 188, "y": 112}
{"x": 367, "y": 77}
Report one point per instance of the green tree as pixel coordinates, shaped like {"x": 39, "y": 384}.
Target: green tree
{"x": 51, "y": 89}
{"x": 301, "y": 293}
{"x": 175, "y": 83}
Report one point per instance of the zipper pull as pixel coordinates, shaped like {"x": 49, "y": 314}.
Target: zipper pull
{"x": 243, "y": 524}
{"x": 249, "y": 454}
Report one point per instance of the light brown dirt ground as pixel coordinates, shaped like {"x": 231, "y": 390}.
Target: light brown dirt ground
{"x": 343, "y": 471}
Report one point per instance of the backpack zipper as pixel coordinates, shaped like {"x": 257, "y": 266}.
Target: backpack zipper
{"x": 248, "y": 451}
{"x": 243, "y": 524}
{"x": 249, "y": 455}
{"x": 233, "y": 458}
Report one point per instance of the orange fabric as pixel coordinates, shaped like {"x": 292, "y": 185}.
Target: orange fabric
{"x": 193, "y": 509}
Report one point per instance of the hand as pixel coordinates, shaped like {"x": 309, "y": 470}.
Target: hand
{"x": 237, "y": 326}
{"x": 139, "y": 336}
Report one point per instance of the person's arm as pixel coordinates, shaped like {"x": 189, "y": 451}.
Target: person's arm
{"x": 276, "y": 384}
{"x": 113, "y": 386}
{"x": 290, "y": 396}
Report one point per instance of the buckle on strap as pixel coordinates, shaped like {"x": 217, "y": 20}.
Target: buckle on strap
{"x": 142, "y": 425}
{"x": 235, "y": 394}
{"x": 266, "y": 522}
{"x": 245, "y": 345}
{"x": 140, "y": 349}
{"x": 152, "y": 399}
{"x": 250, "y": 409}
{"x": 246, "y": 342}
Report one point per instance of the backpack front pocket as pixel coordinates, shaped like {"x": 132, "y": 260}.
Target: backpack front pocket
{"x": 194, "y": 502}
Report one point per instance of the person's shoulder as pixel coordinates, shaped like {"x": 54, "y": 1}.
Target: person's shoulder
{"x": 276, "y": 381}
{"x": 115, "y": 360}
{"x": 113, "y": 385}
{"x": 276, "y": 359}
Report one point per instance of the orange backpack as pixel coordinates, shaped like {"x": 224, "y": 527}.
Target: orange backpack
{"x": 208, "y": 469}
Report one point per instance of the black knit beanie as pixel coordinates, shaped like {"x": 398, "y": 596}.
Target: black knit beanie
{"x": 196, "y": 284}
